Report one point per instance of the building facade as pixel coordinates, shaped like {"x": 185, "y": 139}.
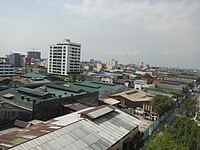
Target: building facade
{"x": 6, "y": 70}
{"x": 17, "y": 59}
{"x": 64, "y": 58}
{"x": 112, "y": 64}
{"x": 34, "y": 54}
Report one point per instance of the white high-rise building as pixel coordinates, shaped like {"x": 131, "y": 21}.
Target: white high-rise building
{"x": 64, "y": 58}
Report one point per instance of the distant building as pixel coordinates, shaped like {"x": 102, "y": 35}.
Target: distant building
{"x": 169, "y": 86}
{"x": 99, "y": 66}
{"x": 112, "y": 64}
{"x": 44, "y": 63}
{"x": 17, "y": 59}
{"x": 91, "y": 60}
{"x": 34, "y": 54}
{"x": 6, "y": 70}
{"x": 28, "y": 61}
{"x": 64, "y": 58}
{"x": 134, "y": 99}
{"x": 3, "y": 60}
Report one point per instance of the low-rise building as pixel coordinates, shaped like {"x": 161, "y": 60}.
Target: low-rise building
{"x": 44, "y": 63}
{"x": 169, "y": 86}
{"x": 102, "y": 128}
{"x": 134, "y": 99}
{"x": 29, "y": 80}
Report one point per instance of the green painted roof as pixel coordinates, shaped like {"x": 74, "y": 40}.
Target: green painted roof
{"x": 34, "y": 75}
{"x": 32, "y": 92}
{"x": 91, "y": 86}
{"x": 63, "y": 93}
{"x": 64, "y": 88}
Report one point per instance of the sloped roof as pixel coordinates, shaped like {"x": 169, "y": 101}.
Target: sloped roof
{"x": 110, "y": 101}
{"x": 134, "y": 95}
{"x": 72, "y": 132}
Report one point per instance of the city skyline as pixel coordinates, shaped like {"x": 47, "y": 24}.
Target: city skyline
{"x": 158, "y": 33}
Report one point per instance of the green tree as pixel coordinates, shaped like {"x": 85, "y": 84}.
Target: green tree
{"x": 176, "y": 94}
{"x": 186, "y": 132}
{"x": 149, "y": 78}
{"x": 189, "y": 107}
{"x": 164, "y": 142}
{"x": 183, "y": 134}
{"x": 161, "y": 104}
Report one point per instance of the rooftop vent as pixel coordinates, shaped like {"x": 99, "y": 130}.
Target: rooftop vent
{"x": 28, "y": 99}
{"x": 97, "y": 112}
{"x": 8, "y": 96}
{"x": 22, "y": 97}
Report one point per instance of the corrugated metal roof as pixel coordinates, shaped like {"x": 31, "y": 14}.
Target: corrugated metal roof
{"x": 76, "y": 106}
{"x": 100, "y": 112}
{"x": 77, "y": 133}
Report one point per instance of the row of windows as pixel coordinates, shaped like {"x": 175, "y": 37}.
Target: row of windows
{"x": 70, "y": 70}
{"x": 6, "y": 72}
{"x": 55, "y": 53}
{"x": 74, "y": 54}
{"x": 75, "y": 58}
{"x": 75, "y": 45}
{"x": 57, "y": 72}
{"x": 6, "y": 69}
{"x": 76, "y": 61}
{"x": 62, "y": 44}
{"x": 72, "y": 51}
{"x": 74, "y": 68}
{"x": 56, "y": 47}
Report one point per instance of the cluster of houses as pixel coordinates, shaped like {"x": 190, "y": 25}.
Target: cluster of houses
{"x": 97, "y": 113}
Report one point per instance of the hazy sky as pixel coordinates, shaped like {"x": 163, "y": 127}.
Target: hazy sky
{"x": 159, "y": 32}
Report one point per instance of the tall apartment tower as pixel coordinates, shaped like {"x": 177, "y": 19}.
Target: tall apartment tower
{"x": 64, "y": 58}
{"x": 16, "y": 59}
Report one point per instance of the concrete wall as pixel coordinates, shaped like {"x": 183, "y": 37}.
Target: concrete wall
{"x": 52, "y": 108}
{"x": 132, "y": 104}
{"x": 128, "y": 138}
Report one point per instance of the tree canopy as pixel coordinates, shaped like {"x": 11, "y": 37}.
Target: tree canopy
{"x": 161, "y": 104}
{"x": 189, "y": 107}
{"x": 187, "y": 132}
{"x": 164, "y": 142}
{"x": 183, "y": 134}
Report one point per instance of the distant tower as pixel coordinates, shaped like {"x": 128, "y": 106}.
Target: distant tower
{"x": 112, "y": 64}
{"x": 34, "y": 54}
{"x": 16, "y": 59}
{"x": 142, "y": 64}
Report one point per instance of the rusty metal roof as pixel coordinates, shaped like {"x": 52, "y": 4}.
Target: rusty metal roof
{"x": 72, "y": 132}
